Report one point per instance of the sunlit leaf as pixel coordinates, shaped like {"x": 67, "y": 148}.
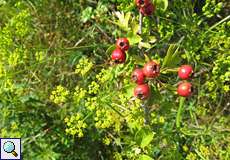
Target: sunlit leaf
{"x": 144, "y": 44}
{"x": 145, "y": 157}
{"x": 133, "y": 38}
{"x": 123, "y": 20}
{"x": 147, "y": 140}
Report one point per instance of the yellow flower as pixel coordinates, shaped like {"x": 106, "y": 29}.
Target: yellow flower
{"x": 204, "y": 150}
{"x": 185, "y": 148}
{"x": 106, "y": 141}
{"x": 14, "y": 126}
{"x": 84, "y": 66}
{"x": 59, "y": 95}
{"x": 75, "y": 125}
{"x": 191, "y": 156}
{"x": 162, "y": 119}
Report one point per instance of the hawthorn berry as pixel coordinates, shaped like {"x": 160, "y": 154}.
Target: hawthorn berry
{"x": 142, "y": 91}
{"x": 151, "y": 69}
{"x": 184, "y": 89}
{"x": 138, "y": 76}
{"x": 142, "y": 3}
{"x": 123, "y": 44}
{"x": 147, "y": 10}
{"x": 185, "y": 71}
{"x": 118, "y": 56}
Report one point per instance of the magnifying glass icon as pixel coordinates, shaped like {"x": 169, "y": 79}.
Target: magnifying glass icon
{"x": 9, "y": 147}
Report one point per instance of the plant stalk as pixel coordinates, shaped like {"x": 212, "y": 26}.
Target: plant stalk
{"x": 179, "y": 112}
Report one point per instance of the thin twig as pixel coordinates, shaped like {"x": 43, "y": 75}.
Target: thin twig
{"x": 105, "y": 34}
{"x": 83, "y": 38}
{"x": 218, "y": 23}
{"x": 202, "y": 71}
{"x": 140, "y": 24}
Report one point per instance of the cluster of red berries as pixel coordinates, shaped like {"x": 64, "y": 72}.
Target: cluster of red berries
{"x": 150, "y": 70}
{"x": 145, "y": 7}
{"x": 119, "y": 55}
{"x": 185, "y": 88}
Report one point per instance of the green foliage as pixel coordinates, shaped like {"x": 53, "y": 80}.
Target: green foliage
{"x": 61, "y": 94}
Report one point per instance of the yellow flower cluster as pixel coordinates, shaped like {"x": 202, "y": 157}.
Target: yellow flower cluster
{"x": 75, "y": 125}
{"x": 20, "y": 22}
{"x": 79, "y": 94}
{"x": 59, "y": 95}
{"x": 13, "y": 59}
{"x": 106, "y": 140}
{"x": 134, "y": 114}
{"x": 2, "y": 70}
{"x": 191, "y": 156}
{"x": 106, "y": 118}
{"x": 9, "y": 85}
{"x": 93, "y": 88}
{"x": 157, "y": 119}
{"x": 204, "y": 151}
{"x": 84, "y": 66}
{"x": 91, "y": 103}
{"x": 104, "y": 75}
{"x": 117, "y": 156}
{"x": 40, "y": 56}
{"x": 13, "y": 131}
{"x": 123, "y": 99}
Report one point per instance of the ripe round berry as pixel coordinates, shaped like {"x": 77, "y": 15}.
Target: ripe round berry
{"x": 151, "y": 69}
{"x": 185, "y": 71}
{"x": 184, "y": 89}
{"x": 147, "y": 10}
{"x": 118, "y": 56}
{"x": 138, "y": 76}
{"x": 142, "y": 3}
{"x": 123, "y": 44}
{"x": 142, "y": 91}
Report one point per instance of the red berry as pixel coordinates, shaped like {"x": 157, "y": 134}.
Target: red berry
{"x": 142, "y": 91}
{"x": 147, "y": 10}
{"x": 185, "y": 71}
{"x": 142, "y": 3}
{"x": 123, "y": 44}
{"x": 151, "y": 69}
{"x": 184, "y": 89}
{"x": 118, "y": 56}
{"x": 138, "y": 76}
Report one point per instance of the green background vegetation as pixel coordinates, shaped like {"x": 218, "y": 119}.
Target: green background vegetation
{"x": 62, "y": 95}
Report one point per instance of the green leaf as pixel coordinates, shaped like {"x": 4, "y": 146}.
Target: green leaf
{"x": 133, "y": 38}
{"x": 168, "y": 55}
{"x": 134, "y": 26}
{"x": 147, "y": 140}
{"x": 162, "y": 4}
{"x": 152, "y": 39}
{"x": 74, "y": 57}
{"x": 145, "y": 157}
{"x": 144, "y": 44}
{"x": 172, "y": 56}
{"x": 139, "y": 60}
{"x": 86, "y": 14}
{"x": 129, "y": 90}
{"x": 123, "y": 20}
{"x": 155, "y": 96}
